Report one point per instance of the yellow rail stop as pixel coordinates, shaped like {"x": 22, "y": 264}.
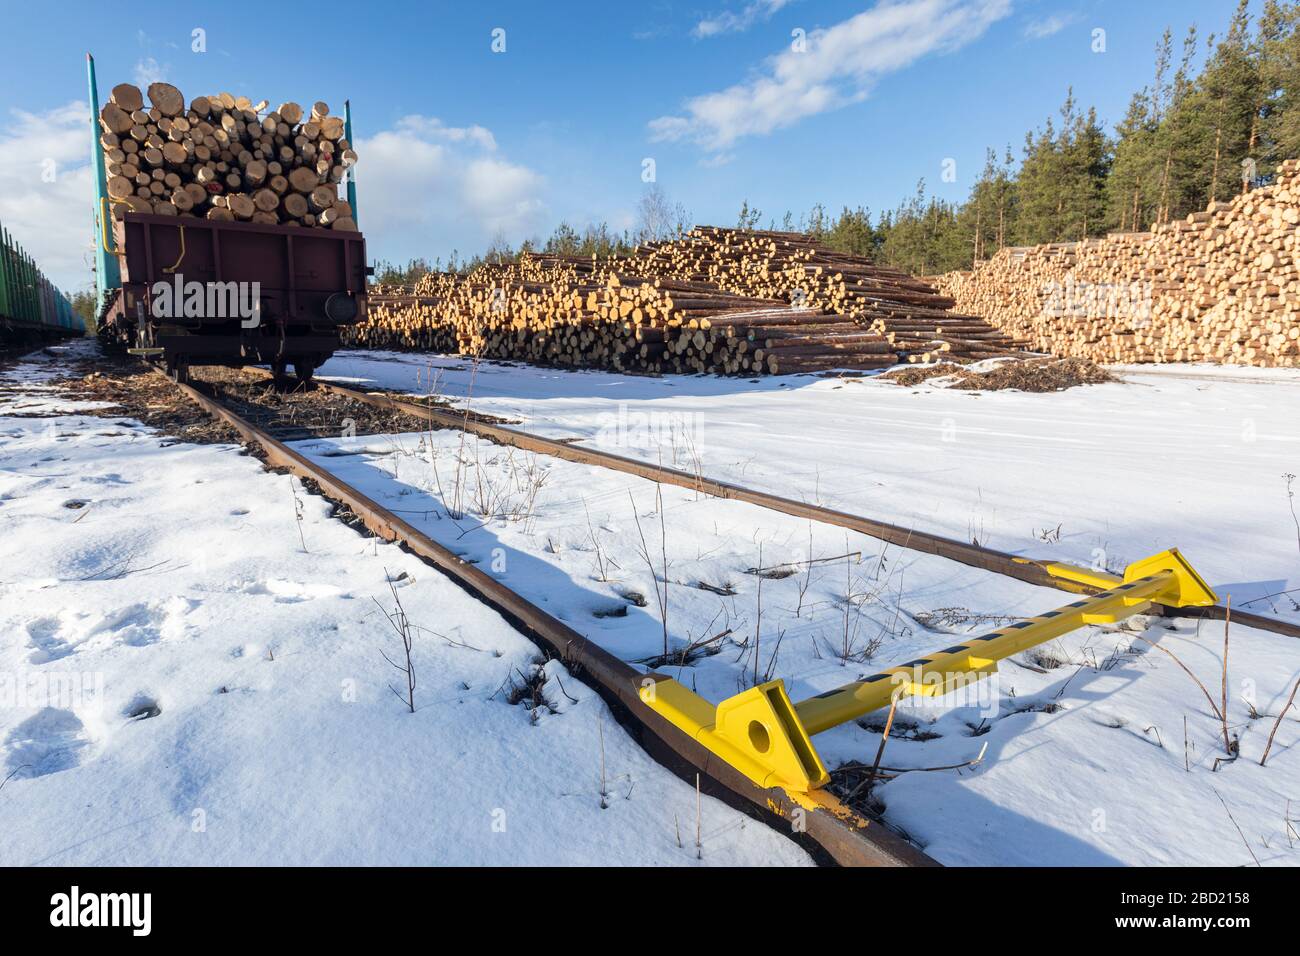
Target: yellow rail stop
{"x": 766, "y": 737}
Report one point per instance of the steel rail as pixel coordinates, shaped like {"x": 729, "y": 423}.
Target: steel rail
{"x": 839, "y": 833}
{"x": 976, "y": 556}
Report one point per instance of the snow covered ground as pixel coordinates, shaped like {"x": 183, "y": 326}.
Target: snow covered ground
{"x": 1096, "y": 749}
{"x": 173, "y": 576}
{"x": 182, "y": 681}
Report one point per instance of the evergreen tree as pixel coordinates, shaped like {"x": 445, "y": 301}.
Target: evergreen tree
{"x": 816, "y": 225}
{"x": 924, "y": 238}
{"x": 83, "y": 304}
{"x": 1179, "y": 142}
{"x": 1036, "y": 187}
{"x": 988, "y": 217}
{"x": 386, "y": 273}
{"x": 852, "y": 232}
{"x": 1061, "y": 185}
{"x": 1279, "y": 51}
{"x": 563, "y": 242}
{"x": 1130, "y": 198}
{"x": 1227, "y": 102}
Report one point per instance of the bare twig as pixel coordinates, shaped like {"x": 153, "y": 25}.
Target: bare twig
{"x": 974, "y": 762}
{"x": 663, "y": 553}
{"x": 602, "y": 565}
{"x": 562, "y": 690}
{"x": 848, "y": 604}
{"x": 880, "y": 751}
{"x": 1290, "y": 497}
{"x": 297, "y": 513}
{"x": 1234, "y": 823}
{"x": 660, "y": 597}
{"x": 1223, "y": 712}
{"x": 807, "y": 574}
{"x": 13, "y": 773}
{"x": 891, "y": 772}
{"x": 1272, "y": 733}
{"x": 604, "y": 791}
{"x": 402, "y": 625}
{"x": 771, "y": 661}
{"x": 699, "y": 842}
{"x": 1214, "y": 708}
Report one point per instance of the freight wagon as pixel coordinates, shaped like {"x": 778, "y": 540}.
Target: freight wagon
{"x": 191, "y": 291}
{"x": 32, "y": 310}
{"x": 208, "y": 292}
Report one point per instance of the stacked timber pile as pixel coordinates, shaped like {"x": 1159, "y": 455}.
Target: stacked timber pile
{"x": 716, "y": 300}
{"x": 909, "y": 312}
{"x": 222, "y": 157}
{"x": 578, "y": 315}
{"x": 1220, "y": 286}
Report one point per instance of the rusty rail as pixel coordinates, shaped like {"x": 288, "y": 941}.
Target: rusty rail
{"x": 972, "y": 555}
{"x": 839, "y": 834}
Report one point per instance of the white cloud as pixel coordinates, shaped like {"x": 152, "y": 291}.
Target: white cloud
{"x": 432, "y": 128}
{"x": 1049, "y": 26}
{"x": 730, "y": 21}
{"x": 46, "y": 196}
{"x": 424, "y": 188}
{"x": 148, "y": 71}
{"x": 838, "y": 67}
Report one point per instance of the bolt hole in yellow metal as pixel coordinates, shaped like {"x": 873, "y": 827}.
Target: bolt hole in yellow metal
{"x": 768, "y": 738}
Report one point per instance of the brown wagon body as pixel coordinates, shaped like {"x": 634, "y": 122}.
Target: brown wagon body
{"x": 306, "y": 283}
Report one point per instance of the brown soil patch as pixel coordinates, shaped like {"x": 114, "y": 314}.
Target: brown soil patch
{"x": 289, "y": 412}
{"x": 295, "y": 412}
{"x": 1025, "y": 375}
{"x": 438, "y": 403}
{"x": 916, "y": 374}
{"x": 1038, "y": 375}
{"x": 138, "y": 392}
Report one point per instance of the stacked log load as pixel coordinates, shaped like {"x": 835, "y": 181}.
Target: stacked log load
{"x": 716, "y": 300}
{"x": 222, "y": 157}
{"x": 909, "y": 312}
{"x": 1220, "y": 286}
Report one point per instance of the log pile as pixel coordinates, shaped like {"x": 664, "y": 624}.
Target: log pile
{"x": 222, "y": 157}
{"x": 550, "y": 314}
{"x": 1220, "y": 286}
{"x": 909, "y": 312}
{"x": 738, "y": 303}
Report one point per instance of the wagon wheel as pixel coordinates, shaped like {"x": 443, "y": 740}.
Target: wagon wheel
{"x": 304, "y": 369}
{"x": 179, "y": 370}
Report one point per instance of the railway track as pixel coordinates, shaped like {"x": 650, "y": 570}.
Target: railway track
{"x": 1041, "y": 572}
{"x": 840, "y": 833}
{"x": 830, "y": 828}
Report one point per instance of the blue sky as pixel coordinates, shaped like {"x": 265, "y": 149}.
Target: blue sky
{"x": 458, "y": 142}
